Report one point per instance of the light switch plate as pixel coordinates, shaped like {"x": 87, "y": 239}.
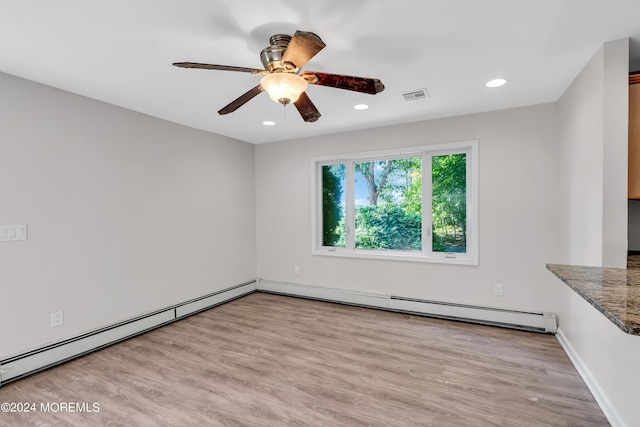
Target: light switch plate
{"x": 10, "y": 233}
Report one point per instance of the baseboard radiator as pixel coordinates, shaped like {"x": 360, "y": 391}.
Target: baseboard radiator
{"x": 530, "y": 321}
{"x": 22, "y": 365}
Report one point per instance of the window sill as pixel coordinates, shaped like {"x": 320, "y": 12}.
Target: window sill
{"x": 455, "y": 259}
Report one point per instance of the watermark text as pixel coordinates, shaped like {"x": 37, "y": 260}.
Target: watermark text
{"x": 51, "y": 407}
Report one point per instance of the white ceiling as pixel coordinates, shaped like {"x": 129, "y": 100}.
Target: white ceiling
{"x": 121, "y": 51}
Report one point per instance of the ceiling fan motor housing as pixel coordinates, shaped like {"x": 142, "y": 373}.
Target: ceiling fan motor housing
{"x": 271, "y": 56}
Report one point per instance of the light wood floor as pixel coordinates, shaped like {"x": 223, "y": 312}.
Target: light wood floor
{"x": 268, "y": 360}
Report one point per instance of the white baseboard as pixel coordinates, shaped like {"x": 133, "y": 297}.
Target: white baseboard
{"x": 539, "y": 322}
{"x": 592, "y": 384}
{"x": 30, "y": 362}
{"x": 204, "y": 303}
{"x": 325, "y": 294}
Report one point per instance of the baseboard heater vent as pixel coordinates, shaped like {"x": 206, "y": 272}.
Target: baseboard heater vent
{"x": 22, "y": 365}
{"x": 538, "y": 322}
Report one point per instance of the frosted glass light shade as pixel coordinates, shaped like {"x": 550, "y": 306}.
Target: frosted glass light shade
{"x": 283, "y": 87}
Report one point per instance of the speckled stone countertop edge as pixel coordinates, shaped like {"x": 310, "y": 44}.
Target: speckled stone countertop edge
{"x": 553, "y": 268}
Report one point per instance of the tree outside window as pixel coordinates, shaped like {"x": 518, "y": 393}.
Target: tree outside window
{"x": 377, "y": 205}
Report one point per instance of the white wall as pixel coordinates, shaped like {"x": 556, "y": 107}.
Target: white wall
{"x": 609, "y": 355}
{"x": 519, "y": 230}
{"x": 615, "y": 161}
{"x": 126, "y": 213}
{"x": 593, "y": 159}
{"x": 580, "y": 164}
{"x": 588, "y": 145}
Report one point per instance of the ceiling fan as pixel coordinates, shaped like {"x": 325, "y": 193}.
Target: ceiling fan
{"x": 282, "y": 60}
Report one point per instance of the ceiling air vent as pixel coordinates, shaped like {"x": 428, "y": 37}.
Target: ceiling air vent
{"x": 415, "y": 95}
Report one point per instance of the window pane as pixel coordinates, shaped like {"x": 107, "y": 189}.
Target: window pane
{"x": 449, "y": 203}
{"x": 333, "y": 206}
{"x": 388, "y": 204}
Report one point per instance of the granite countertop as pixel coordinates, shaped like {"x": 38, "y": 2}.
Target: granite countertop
{"x": 615, "y": 292}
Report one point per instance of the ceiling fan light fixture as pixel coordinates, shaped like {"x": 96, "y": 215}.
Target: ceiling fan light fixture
{"x": 284, "y": 88}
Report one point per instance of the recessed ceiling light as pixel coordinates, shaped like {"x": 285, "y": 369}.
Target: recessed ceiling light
{"x": 360, "y": 107}
{"x": 268, "y": 123}
{"x": 495, "y": 82}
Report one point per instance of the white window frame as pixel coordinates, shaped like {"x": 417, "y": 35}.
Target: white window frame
{"x": 469, "y": 147}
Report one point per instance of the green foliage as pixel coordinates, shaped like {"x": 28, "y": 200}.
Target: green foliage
{"x": 388, "y": 226}
{"x": 449, "y": 202}
{"x": 411, "y": 201}
{"x": 331, "y": 210}
{"x": 393, "y": 218}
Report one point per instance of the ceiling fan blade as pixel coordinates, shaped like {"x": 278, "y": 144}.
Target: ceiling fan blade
{"x": 302, "y": 47}
{"x": 219, "y": 67}
{"x": 241, "y": 100}
{"x": 356, "y": 84}
{"x": 307, "y": 110}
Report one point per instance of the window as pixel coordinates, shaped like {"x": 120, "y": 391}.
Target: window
{"x": 415, "y": 204}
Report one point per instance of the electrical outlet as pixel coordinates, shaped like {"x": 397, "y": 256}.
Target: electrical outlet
{"x": 296, "y": 270}
{"x": 57, "y": 318}
{"x": 498, "y": 289}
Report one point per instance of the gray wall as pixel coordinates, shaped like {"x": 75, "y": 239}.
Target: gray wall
{"x": 519, "y": 229}
{"x": 592, "y": 135}
{"x": 126, "y": 213}
{"x": 593, "y": 190}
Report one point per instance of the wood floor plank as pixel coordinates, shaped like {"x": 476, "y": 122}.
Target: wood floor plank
{"x": 268, "y": 360}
